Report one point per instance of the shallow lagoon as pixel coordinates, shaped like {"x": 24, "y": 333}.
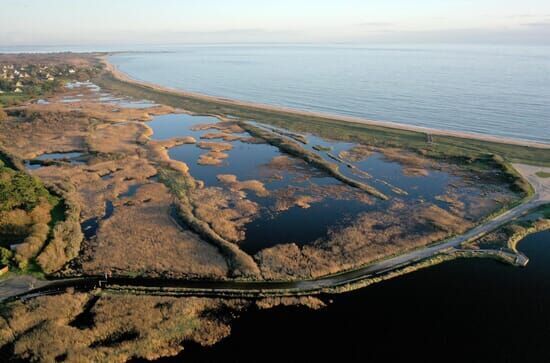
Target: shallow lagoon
{"x": 298, "y": 225}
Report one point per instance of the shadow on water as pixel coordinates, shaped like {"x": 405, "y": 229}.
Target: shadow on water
{"x": 460, "y": 311}
{"x": 73, "y": 158}
{"x": 132, "y": 190}
{"x": 89, "y": 227}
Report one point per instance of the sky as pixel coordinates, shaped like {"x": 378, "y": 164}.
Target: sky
{"x": 110, "y": 22}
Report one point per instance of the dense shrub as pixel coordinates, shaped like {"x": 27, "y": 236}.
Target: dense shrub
{"x": 66, "y": 236}
{"x": 20, "y": 190}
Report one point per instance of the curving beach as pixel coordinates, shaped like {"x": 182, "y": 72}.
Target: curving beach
{"x": 119, "y": 74}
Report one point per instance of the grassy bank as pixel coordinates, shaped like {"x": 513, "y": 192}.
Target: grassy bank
{"x": 441, "y": 146}
{"x": 181, "y": 185}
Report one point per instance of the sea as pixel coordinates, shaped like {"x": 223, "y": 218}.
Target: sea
{"x": 484, "y": 89}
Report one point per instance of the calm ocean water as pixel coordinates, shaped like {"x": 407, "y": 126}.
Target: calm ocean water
{"x": 502, "y": 91}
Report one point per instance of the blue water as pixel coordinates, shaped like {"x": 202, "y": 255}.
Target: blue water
{"x": 269, "y": 227}
{"x": 496, "y": 90}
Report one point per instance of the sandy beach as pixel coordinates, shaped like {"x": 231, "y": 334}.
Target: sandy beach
{"x": 387, "y": 124}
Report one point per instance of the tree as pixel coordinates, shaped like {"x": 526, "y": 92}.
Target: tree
{"x": 3, "y": 114}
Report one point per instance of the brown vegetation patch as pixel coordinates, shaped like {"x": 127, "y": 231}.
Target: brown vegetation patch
{"x": 158, "y": 152}
{"x": 303, "y": 197}
{"x": 33, "y": 133}
{"x": 235, "y": 185}
{"x": 36, "y": 229}
{"x": 215, "y": 146}
{"x": 413, "y": 164}
{"x": 356, "y": 153}
{"x": 141, "y": 237}
{"x": 216, "y": 154}
{"x": 213, "y": 158}
{"x": 282, "y": 164}
{"x": 122, "y": 326}
{"x": 308, "y": 301}
{"x": 371, "y": 236}
{"x": 229, "y": 127}
{"x": 66, "y": 237}
{"x": 92, "y": 191}
{"x": 225, "y": 211}
{"x": 220, "y": 135}
{"x": 116, "y": 138}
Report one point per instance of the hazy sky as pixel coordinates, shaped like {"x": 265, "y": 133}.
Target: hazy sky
{"x": 59, "y": 22}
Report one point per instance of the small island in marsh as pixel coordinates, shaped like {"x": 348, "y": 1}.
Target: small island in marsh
{"x": 117, "y": 196}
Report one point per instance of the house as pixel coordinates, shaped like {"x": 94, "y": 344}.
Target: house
{"x": 1, "y": 91}
{"x": 19, "y": 84}
{"x": 18, "y": 90}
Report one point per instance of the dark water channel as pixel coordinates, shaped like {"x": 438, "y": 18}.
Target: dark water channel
{"x": 73, "y": 158}
{"x": 459, "y": 311}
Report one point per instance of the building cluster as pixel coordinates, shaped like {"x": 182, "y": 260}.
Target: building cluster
{"x": 14, "y": 78}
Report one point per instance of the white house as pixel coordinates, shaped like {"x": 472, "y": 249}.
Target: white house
{"x": 18, "y": 90}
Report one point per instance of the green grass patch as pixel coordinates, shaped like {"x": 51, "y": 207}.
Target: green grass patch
{"x": 58, "y": 210}
{"x": 322, "y": 148}
{"x": 11, "y": 99}
{"x": 20, "y": 190}
{"x": 543, "y": 174}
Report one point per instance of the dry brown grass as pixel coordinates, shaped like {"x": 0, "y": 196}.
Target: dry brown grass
{"x": 356, "y": 153}
{"x": 215, "y": 146}
{"x": 225, "y": 211}
{"x": 28, "y": 230}
{"x": 228, "y": 127}
{"x": 216, "y": 154}
{"x": 220, "y": 135}
{"x": 255, "y": 186}
{"x": 14, "y": 225}
{"x": 157, "y": 151}
{"x": 282, "y": 164}
{"x": 92, "y": 191}
{"x": 373, "y": 235}
{"x": 44, "y": 132}
{"x": 285, "y": 202}
{"x": 303, "y": 197}
{"x": 119, "y": 327}
{"x": 309, "y": 301}
{"x": 142, "y": 238}
{"x": 413, "y": 164}
{"x": 116, "y": 138}
{"x": 212, "y": 158}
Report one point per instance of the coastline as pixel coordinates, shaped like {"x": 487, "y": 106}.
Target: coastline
{"x": 122, "y": 76}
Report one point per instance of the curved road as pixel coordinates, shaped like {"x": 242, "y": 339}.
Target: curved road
{"x": 251, "y": 289}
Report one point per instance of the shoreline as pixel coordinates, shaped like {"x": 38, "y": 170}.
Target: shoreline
{"x": 122, "y": 76}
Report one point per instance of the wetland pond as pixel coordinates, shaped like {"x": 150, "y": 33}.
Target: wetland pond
{"x": 303, "y": 204}
{"x": 73, "y": 158}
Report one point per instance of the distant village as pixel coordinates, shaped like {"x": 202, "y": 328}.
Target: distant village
{"x": 32, "y": 78}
